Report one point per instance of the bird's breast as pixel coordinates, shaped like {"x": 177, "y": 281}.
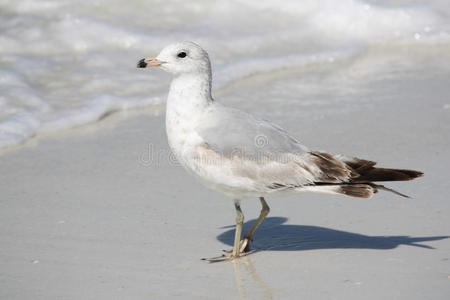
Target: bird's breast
{"x": 181, "y": 135}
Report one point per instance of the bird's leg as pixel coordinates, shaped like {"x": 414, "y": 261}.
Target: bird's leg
{"x": 238, "y": 232}
{"x": 248, "y": 237}
{"x": 236, "y": 252}
{"x": 244, "y": 245}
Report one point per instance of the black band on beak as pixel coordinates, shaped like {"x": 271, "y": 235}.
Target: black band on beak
{"x": 142, "y": 63}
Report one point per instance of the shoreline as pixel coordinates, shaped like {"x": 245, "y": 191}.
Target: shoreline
{"x": 83, "y": 217}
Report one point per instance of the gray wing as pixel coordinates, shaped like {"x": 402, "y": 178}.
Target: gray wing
{"x": 232, "y": 132}
{"x": 265, "y": 153}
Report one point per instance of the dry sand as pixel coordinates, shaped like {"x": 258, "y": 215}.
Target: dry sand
{"x": 88, "y": 214}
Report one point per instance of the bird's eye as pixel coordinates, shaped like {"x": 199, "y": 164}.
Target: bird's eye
{"x": 182, "y": 54}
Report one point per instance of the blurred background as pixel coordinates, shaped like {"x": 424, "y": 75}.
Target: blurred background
{"x": 88, "y": 214}
{"x": 65, "y": 63}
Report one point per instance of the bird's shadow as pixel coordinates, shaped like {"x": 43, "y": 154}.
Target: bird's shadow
{"x": 276, "y": 236}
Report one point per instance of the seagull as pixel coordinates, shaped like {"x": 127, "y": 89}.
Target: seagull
{"x": 243, "y": 156}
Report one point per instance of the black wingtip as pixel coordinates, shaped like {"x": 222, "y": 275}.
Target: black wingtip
{"x": 142, "y": 63}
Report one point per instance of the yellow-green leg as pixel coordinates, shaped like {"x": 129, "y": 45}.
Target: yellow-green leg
{"x": 248, "y": 237}
{"x": 236, "y": 252}
{"x": 244, "y": 245}
{"x": 238, "y": 232}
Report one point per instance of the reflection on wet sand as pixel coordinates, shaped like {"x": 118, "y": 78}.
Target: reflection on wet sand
{"x": 256, "y": 286}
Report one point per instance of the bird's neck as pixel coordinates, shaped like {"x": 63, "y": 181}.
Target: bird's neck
{"x": 189, "y": 97}
{"x": 189, "y": 93}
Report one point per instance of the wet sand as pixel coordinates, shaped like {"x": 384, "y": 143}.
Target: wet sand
{"x": 104, "y": 212}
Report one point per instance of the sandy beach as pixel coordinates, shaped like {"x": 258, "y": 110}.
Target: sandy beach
{"x": 104, "y": 212}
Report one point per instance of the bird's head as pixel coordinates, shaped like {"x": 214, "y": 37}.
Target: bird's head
{"x": 180, "y": 58}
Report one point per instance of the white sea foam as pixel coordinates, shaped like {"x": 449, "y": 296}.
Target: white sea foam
{"x": 64, "y": 63}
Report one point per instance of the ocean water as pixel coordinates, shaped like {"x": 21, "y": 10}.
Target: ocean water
{"x": 65, "y": 63}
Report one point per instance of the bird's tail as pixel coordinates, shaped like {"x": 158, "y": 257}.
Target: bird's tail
{"x": 360, "y": 190}
{"x": 382, "y": 174}
{"x": 368, "y": 174}
{"x": 363, "y": 174}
